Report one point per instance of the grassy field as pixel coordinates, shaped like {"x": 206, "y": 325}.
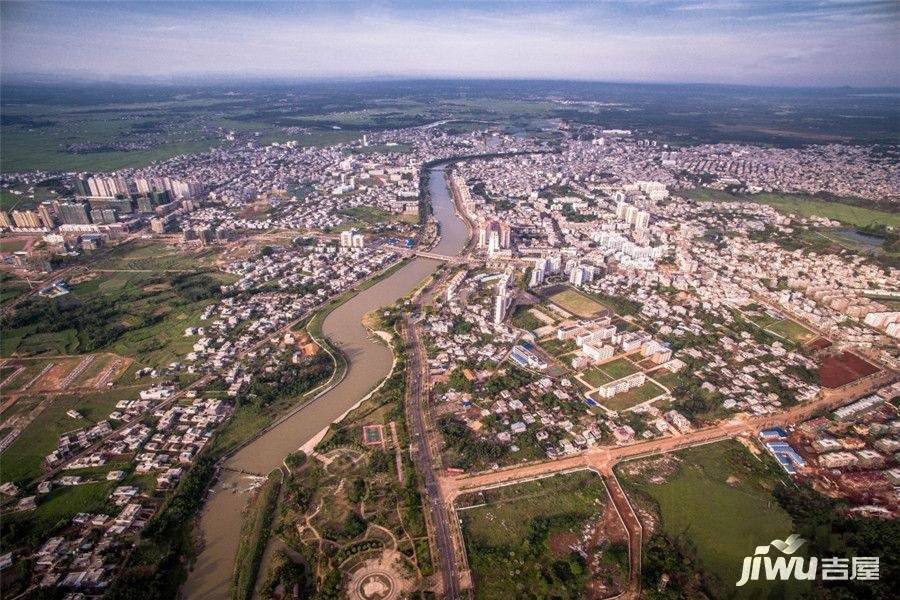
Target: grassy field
{"x": 619, "y": 368}
{"x": 632, "y": 397}
{"x": 22, "y": 460}
{"x": 803, "y": 205}
{"x": 143, "y": 255}
{"x": 611, "y": 371}
{"x": 524, "y": 319}
{"x": 512, "y": 536}
{"x": 666, "y": 377}
{"x": 557, "y": 348}
{"x": 63, "y": 503}
{"x": 8, "y": 245}
{"x": 148, "y": 295}
{"x": 596, "y": 376}
{"x": 254, "y": 537}
{"x": 792, "y": 330}
{"x": 11, "y": 287}
{"x": 41, "y": 151}
{"x": 576, "y": 303}
{"x": 718, "y": 501}
{"x": 362, "y": 217}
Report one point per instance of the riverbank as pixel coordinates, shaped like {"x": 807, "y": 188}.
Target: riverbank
{"x": 369, "y": 360}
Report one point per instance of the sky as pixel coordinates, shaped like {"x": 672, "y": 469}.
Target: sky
{"x": 757, "y": 42}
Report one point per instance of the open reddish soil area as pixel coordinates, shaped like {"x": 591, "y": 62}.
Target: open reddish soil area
{"x": 819, "y": 344}
{"x": 837, "y": 370}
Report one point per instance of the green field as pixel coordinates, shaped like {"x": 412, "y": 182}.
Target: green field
{"x": 28, "y": 150}
{"x": 718, "y": 501}
{"x": 792, "y": 330}
{"x": 513, "y": 534}
{"x": 596, "y": 377}
{"x": 611, "y": 371}
{"x": 23, "y": 459}
{"x": 803, "y": 205}
{"x": 576, "y": 303}
{"x": 11, "y": 287}
{"x": 557, "y": 348}
{"x": 8, "y": 246}
{"x": 362, "y": 217}
{"x": 619, "y": 368}
{"x": 143, "y": 255}
{"x": 59, "y": 506}
{"x": 524, "y": 319}
{"x": 140, "y": 308}
{"x": 666, "y": 377}
{"x": 632, "y": 397}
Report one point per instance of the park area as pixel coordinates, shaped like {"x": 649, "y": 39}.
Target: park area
{"x": 722, "y": 486}
{"x": 529, "y": 539}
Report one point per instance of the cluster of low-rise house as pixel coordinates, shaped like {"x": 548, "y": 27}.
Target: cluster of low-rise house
{"x": 839, "y": 169}
{"x": 603, "y": 215}
{"x": 84, "y": 556}
{"x": 852, "y": 452}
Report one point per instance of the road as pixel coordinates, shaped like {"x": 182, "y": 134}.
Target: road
{"x": 602, "y": 459}
{"x": 417, "y": 397}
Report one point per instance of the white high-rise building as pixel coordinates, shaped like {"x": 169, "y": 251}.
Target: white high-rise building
{"x": 576, "y": 276}
{"x": 642, "y": 220}
{"x": 537, "y": 277}
{"x": 504, "y": 299}
{"x": 621, "y": 208}
{"x": 631, "y": 214}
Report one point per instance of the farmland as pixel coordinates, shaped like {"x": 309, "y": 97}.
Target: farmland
{"x": 803, "y": 205}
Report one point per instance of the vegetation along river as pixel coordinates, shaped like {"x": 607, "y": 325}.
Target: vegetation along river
{"x": 369, "y": 361}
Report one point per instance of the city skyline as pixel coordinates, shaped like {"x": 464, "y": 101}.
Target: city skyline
{"x": 829, "y": 43}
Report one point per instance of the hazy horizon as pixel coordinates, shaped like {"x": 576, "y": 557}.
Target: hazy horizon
{"x": 832, "y": 43}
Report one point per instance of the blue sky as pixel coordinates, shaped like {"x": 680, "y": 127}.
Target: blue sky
{"x": 777, "y": 42}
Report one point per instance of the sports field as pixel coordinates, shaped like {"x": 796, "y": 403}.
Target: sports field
{"x": 577, "y": 303}
{"x": 792, "y": 330}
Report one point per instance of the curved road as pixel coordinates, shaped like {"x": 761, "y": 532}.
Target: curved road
{"x": 369, "y": 362}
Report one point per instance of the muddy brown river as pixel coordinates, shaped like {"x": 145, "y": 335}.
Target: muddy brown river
{"x": 369, "y": 362}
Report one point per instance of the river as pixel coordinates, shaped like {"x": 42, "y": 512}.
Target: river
{"x": 369, "y": 362}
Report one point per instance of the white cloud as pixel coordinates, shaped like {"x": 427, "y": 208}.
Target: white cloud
{"x": 584, "y": 43}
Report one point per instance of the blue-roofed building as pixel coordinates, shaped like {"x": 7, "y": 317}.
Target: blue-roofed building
{"x": 772, "y": 433}
{"x": 786, "y": 456}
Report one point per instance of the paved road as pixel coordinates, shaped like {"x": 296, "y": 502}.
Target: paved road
{"x": 603, "y": 458}
{"x": 416, "y": 399}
